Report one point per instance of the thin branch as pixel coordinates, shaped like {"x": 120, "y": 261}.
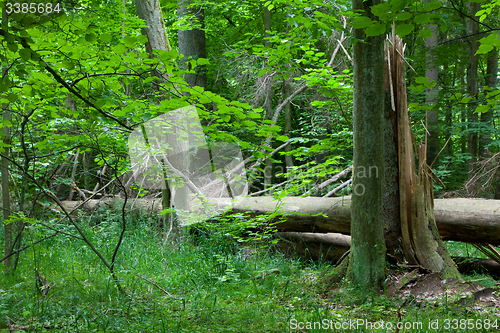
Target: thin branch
{"x": 332, "y": 180}
{"x": 270, "y": 188}
{"x": 152, "y": 282}
{"x": 338, "y": 188}
{"x": 470, "y": 35}
{"x": 28, "y": 246}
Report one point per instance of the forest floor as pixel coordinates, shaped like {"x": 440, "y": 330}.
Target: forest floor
{"x": 217, "y": 285}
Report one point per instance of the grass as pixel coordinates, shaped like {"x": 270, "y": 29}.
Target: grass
{"x": 214, "y": 284}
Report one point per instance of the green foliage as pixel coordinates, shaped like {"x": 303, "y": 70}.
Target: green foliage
{"x": 211, "y": 287}
{"x": 80, "y": 80}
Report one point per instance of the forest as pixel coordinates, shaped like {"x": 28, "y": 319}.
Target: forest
{"x": 251, "y": 166}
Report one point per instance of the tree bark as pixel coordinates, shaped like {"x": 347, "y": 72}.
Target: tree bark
{"x": 73, "y": 174}
{"x": 392, "y": 224}
{"x": 313, "y": 245}
{"x": 431, "y": 96}
{"x": 491, "y": 83}
{"x": 472, "y": 88}
{"x": 150, "y": 12}
{"x": 192, "y": 42}
{"x": 367, "y": 258}
{"x": 288, "y": 126}
{"x": 8, "y": 228}
{"x": 268, "y": 104}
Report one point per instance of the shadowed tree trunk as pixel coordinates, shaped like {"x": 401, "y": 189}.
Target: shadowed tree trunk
{"x": 8, "y": 228}
{"x": 392, "y": 225}
{"x": 192, "y": 42}
{"x": 268, "y": 105}
{"x": 472, "y": 88}
{"x": 491, "y": 83}
{"x": 367, "y": 259}
{"x": 431, "y": 95}
{"x": 288, "y": 124}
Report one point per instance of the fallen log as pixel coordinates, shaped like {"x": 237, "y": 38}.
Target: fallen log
{"x": 313, "y": 245}
{"x": 332, "y": 247}
{"x": 471, "y": 265}
{"x": 462, "y": 219}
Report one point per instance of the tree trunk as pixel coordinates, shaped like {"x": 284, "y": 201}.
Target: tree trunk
{"x": 420, "y": 239}
{"x": 487, "y": 117}
{"x": 8, "y": 228}
{"x": 268, "y": 104}
{"x": 73, "y": 174}
{"x": 150, "y": 12}
{"x": 463, "y": 112}
{"x": 392, "y": 225}
{"x": 288, "y": 125}
{"x": 367, "y": 259}
{"x": 431, "y": 96}
{"x": 472, "y": 88}
{"x": 192, "y": 42}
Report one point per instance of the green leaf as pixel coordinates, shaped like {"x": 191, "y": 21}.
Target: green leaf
{"x": 432, "y": 6}
{"x": 425, "y": 33}
{"x": 249, "y": 123}
{"x": 12, "y": 46}
{"x": 129, "y": 41}
{"x": 106, "y": 38}
{"x": 375, "y": 30}
{"x": 397, "y": 5}
{"x": 91, "y": 37}
{"x": 362, "y": 22}
{"x": 422, "y": 79}
{"x": 465, "y": 99}
{"x": 482, "y": 109}
{"x": 12, "y": 97}
{"x": 25, "y": 54}
{"x": 422, "y": 18}
{"x": 403, "y": 16}
{"x": 254, "y": 115}
{"x": 100, "y": 103}
{"x": 404, "y": 29}
{"x": 143, "y": 39}
{"x": 417, "y": 89}
{"x": 203, "y": 61}
{"x": 381, "y": 10}
{"x": 484, "y": 48}
{"x": 68, "y": 64}
{"x": 119, "y": 112}
{"x": 167, "y": 56}
{"x": 283, "y": 138}
{"x": 119, "y": 49}
{"x": 488, "y": 43}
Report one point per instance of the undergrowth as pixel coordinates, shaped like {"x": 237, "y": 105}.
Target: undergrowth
{"x": 213, "y": 284}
